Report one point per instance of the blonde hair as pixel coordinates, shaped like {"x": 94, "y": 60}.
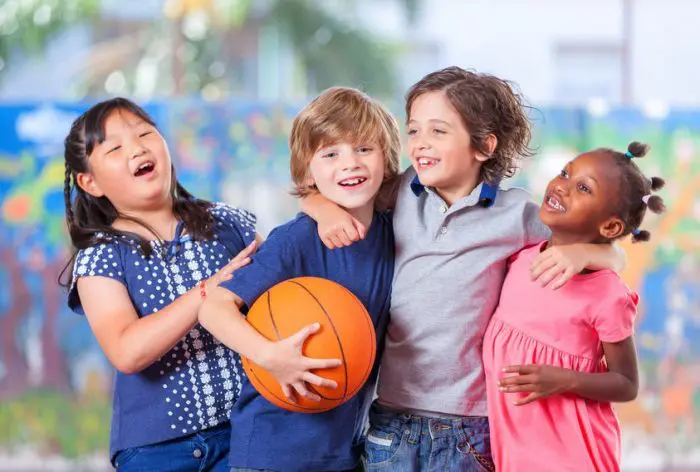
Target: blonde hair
{"x": 341, "y": 114}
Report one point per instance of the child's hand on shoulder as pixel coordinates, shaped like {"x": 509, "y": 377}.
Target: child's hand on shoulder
{"x": 226, "y": 272}
{"x": 286, "y": 362}
{"x": 539, "y": 381}
{"x": 337, "y": 228}
{"x": 558, "y": 264}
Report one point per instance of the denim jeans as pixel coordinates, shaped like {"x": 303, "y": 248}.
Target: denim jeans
{"x": 410, "y": 443}
{"x": 206, "y": 451}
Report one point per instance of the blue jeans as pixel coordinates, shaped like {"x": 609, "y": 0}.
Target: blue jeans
{"x": 410, "y": 443}
{"x": 206, "y": 451}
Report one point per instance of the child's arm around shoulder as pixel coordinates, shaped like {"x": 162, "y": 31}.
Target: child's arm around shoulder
{"x": 336, "y": 227}
{"x": 132, "y": 343}
{"x": 559, "y": 264}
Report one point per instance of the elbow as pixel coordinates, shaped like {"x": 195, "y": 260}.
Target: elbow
{"x": 129, "y": 365}
{"x": 630, "y": 393}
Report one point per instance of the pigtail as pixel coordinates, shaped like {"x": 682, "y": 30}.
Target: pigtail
{"x": 637, "y": 149}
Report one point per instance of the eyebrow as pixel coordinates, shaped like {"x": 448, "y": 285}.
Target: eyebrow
{"x": 433, "y": 120}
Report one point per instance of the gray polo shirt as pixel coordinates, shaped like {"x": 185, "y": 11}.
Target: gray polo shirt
{"x": 449, "y": 269}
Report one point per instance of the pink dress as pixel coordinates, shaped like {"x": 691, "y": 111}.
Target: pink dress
{"x": 564, "y": 328}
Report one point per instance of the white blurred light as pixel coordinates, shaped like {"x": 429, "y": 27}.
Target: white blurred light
{"x": 146, "y": 78}
{"x": 655, "y": 109}
{"x": 195, "y": 25}
{"x": 217, "y": 69}
{"x": 211, "y": 93}
{"x": 42, "y": 15}
{"x": 598, "y": 107}
{"x": 322, "y": 36}
{"x": 2, "y": 64}
{"x": 115, "y": 82}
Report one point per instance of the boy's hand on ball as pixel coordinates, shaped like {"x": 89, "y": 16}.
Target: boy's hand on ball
{"x": 286, "y": 362}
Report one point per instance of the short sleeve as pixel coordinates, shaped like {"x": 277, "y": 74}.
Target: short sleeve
{"x": 276, "y": 260}
{"x": 535, "y": 230}
{"x": 101, "y": 260}
{"x": 235, "y": 228}
{"x": 614, "y": 322}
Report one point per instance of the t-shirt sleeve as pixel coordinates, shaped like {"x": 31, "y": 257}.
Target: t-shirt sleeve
{"x": 276, "y": 260}
{"x": 101, "y": 260}
{"x": 535, "y": 230}
{"x": 614, "y": 321}
{"x": 235, "y": 228}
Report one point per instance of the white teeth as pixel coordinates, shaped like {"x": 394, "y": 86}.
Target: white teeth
{"x": 355, "y": 181}
{"x": 425, "y": 161}
{"x": 145, "y": 165}
{"x": 555, "y": 204}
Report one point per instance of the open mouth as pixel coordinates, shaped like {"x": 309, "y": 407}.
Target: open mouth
{"x": 426, "y": 162}
{"x": 144, "y": 169}
{"x": 554, "y": 204}
{"x": 352, "y": 182}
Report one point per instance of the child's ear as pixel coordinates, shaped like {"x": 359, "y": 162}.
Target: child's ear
{"x": 490, "y": 143}
{"x": 612, "y": 228}
{"x": 88, "y": 183}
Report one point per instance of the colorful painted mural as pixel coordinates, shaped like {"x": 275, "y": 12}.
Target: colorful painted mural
{"x": 55, "y": 383}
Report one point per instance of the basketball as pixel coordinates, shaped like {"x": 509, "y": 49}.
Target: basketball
{"x": 346, "y": 333}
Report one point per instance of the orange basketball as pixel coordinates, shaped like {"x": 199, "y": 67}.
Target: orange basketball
{"x": 346, "y": 333}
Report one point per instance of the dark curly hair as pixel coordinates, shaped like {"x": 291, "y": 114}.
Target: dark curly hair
{"x": 634, "y": 192}
{"x": 487, "y": 105}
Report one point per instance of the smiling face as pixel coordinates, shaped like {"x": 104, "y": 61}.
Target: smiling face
{"x": 579, "y": 202}
{"x": 348, "y": 174}
{"x": 440, "y": 148}
{"x": 131, "y": 167}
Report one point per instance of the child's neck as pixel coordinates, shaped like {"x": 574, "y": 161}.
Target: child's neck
{"x": 162, "y": 220}
{"x": 363, "y": 214}
{"x": 559, "y": 239}
{"x": 454, "y": 193}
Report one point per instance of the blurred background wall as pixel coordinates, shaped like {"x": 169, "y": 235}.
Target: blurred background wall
{"x": 224, "y": 78}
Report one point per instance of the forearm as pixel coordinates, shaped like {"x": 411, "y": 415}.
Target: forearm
{"x": 606, "y": 256}
{"x": 314, "y": 205}
{"x": 224, "y": 320}
{"x": 146, "y": 340}
{"x": 604, "y": 386}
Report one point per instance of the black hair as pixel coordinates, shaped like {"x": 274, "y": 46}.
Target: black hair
{"x": 89, "y": 219}
{"x": 635, "y": 190}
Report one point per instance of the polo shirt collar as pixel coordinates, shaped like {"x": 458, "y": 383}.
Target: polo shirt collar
{"x": 487, "y": 195}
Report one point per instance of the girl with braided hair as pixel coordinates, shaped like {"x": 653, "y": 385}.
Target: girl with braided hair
{"x": 147, "y": 253}
{"x": 556, "y": 360}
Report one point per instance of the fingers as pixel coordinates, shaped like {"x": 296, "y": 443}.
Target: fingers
{"x": 287, "y": 392}
{"x": 301, "y": 389}
{"x": 300, "y": 336}
{"x": 541, "y": 263}
{"x": 524, "y": 388}
{"x": 314, "y": 379}
{"x": 517, "y": 380}
{"x": 360, "y": 228}
{"x": 548, "y": 275}
{"x": 563, "y": 278}
{"x": 533, "y": 397}
{"x": 520, "y": 369}
{"x": 313, "y": 364}
{"x": 328, "y": 242}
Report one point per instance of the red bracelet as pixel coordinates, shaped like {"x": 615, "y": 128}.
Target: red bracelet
{"x": 203, "y": 288}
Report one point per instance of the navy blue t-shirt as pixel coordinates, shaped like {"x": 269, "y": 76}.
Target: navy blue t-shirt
{"x": 264, "y": 436}
{"x": 195, "y": 384}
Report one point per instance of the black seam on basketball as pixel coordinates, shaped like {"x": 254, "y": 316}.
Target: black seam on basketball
{"x": 261, "y": 384}
{"x": 272, "y": 318}
{"x": 337, "y": 337}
